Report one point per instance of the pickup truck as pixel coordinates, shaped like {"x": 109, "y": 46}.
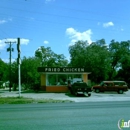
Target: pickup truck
{"x": 118, "y": 86}
{"x": 80, "y": 88}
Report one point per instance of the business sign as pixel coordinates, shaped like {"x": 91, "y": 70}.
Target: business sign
{"x": 62, "y": 69}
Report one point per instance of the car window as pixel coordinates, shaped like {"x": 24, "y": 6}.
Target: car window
{"x": 102, "y": 83}
{"x": 119, "y": 83}
{"x": 108, "y": 84}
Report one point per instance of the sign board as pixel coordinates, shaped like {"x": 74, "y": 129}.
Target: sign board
{"x": 62, "y": 69}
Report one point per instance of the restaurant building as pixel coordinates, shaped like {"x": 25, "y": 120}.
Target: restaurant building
{"x": 55, "y": 79}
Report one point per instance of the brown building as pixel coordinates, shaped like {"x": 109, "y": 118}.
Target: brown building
{"x": 55, "y": 79}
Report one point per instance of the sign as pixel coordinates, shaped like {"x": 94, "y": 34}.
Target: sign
{"x": 62, "y": 69}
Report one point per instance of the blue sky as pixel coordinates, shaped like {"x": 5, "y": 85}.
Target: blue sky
{"x": 59, "y": 23}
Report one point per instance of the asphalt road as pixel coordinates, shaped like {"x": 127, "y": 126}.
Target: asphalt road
{"x": 64, "y": 116}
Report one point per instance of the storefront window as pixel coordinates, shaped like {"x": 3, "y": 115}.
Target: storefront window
{"x": 51, "y": 79}
{"x": 62, "y": 79}
{"x": 77, "y": 76}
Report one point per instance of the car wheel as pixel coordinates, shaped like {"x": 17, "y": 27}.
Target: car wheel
{"x": 120, "y": 91}
{"x": 89, "y": 94}
{"x": 97, "y": 91}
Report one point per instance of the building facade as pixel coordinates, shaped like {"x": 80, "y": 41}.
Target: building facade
{"x": 55, "y": 79}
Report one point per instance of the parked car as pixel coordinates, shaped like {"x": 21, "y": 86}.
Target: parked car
{"x": 118, "y": 86}
{"x": 80, "y": 88}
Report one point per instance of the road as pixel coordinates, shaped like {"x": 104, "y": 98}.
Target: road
{"x": 64, "y": 116}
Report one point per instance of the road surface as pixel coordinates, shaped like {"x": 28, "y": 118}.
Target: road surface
{"x": 64, "y": 116}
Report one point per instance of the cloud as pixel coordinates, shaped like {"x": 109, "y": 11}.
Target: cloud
{"x": 46, "y": 42}
{"x": 2, "y": 21}
{"x": 108, "y": 24}
{"x": 75, "y": 35}
{"x": 122, "y": 29}
{"x": 3, "y": 44}
{"x": 5, "y": 21}
{"x": 24, "y": 41}
{"x": 7, "y": 60}
{"x": 46, "y": 1}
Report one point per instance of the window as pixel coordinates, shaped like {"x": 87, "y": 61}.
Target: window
{"x": 51, "y": 79}
{"x": 62, "y": 79}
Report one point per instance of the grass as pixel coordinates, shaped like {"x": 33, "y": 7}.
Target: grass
{"x": 22, "y": 100}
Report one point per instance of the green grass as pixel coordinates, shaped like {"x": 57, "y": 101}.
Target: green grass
{"x": 22, "y": 100}
{"x": 15, "y": 100}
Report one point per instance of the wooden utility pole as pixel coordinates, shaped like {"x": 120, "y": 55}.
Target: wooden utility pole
{"x": 10, "y": 49}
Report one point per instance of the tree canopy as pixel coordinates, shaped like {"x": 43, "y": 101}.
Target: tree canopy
{"x": 48, "y": 58}
{"x": 105, "y": 61}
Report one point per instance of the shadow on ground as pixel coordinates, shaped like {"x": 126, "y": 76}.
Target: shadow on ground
{"x": 71, "y": 95}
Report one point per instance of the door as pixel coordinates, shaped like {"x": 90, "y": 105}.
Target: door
{"x": 110, "y": 87}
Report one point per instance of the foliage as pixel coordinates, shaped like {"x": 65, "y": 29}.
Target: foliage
{"x": 94, "y": 57}
{"x": 29, "y": 73}
{"x": 48, "y": 58}
{"x": 23, "y": 100}
{"x": 3, "y": 71}
{"x": 103, "y": 61}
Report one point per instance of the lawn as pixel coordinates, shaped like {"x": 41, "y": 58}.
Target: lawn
{"x": 22, "y": 100}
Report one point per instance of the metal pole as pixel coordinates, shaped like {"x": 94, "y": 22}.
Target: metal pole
{"x": 19, "y": 80}
{"x": 19, "y": 65}
{"x": 10, "y": 84}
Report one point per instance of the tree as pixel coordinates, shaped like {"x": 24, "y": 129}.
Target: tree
{"x": 48, "y": 58}
{"x": 93, "y": 57}
{"x": 98, "y": 61}
{"x": 118, "y": 52}
{"x": 124, "y": 68}
{"x": 29, "y": 72}
{"x": 4, "y": 73}
{"x": 78, "y": 54}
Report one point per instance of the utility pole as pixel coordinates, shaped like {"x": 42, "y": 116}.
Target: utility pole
{"x": 19, "y": 66}
{"x": 10, "y": 49}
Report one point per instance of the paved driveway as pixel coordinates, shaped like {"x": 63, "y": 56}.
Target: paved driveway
{"x": 107, "y": 96}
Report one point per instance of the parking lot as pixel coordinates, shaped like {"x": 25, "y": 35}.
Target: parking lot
{"x": 105, "y": 96}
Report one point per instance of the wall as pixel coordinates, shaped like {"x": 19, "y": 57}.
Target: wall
{"x": 43, "y": 82}
{"x": 85, "y": 77}
{"x": 57, "y": 89}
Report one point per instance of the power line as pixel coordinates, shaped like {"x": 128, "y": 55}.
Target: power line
{"x": 64, "y": 8}
{"x": 66, "y": 16}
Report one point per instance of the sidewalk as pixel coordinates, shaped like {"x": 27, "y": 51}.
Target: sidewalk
{"x": 63, "y": 96}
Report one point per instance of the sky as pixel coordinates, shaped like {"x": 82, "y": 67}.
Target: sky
{"x": 60, "y": 23}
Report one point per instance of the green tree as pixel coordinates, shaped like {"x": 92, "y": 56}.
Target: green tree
{"x": 29, "y": 73}
{"x": 4, "y": 73}
{"x": 124, "y": 68}
{"x": 94, "y": 57}
{"x": 78, "y": 54}
{"x": 118, "y": 52}
{"x": 48, "y": 58}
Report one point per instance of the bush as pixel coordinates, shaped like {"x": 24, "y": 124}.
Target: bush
{"x": 36, "y": 87}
